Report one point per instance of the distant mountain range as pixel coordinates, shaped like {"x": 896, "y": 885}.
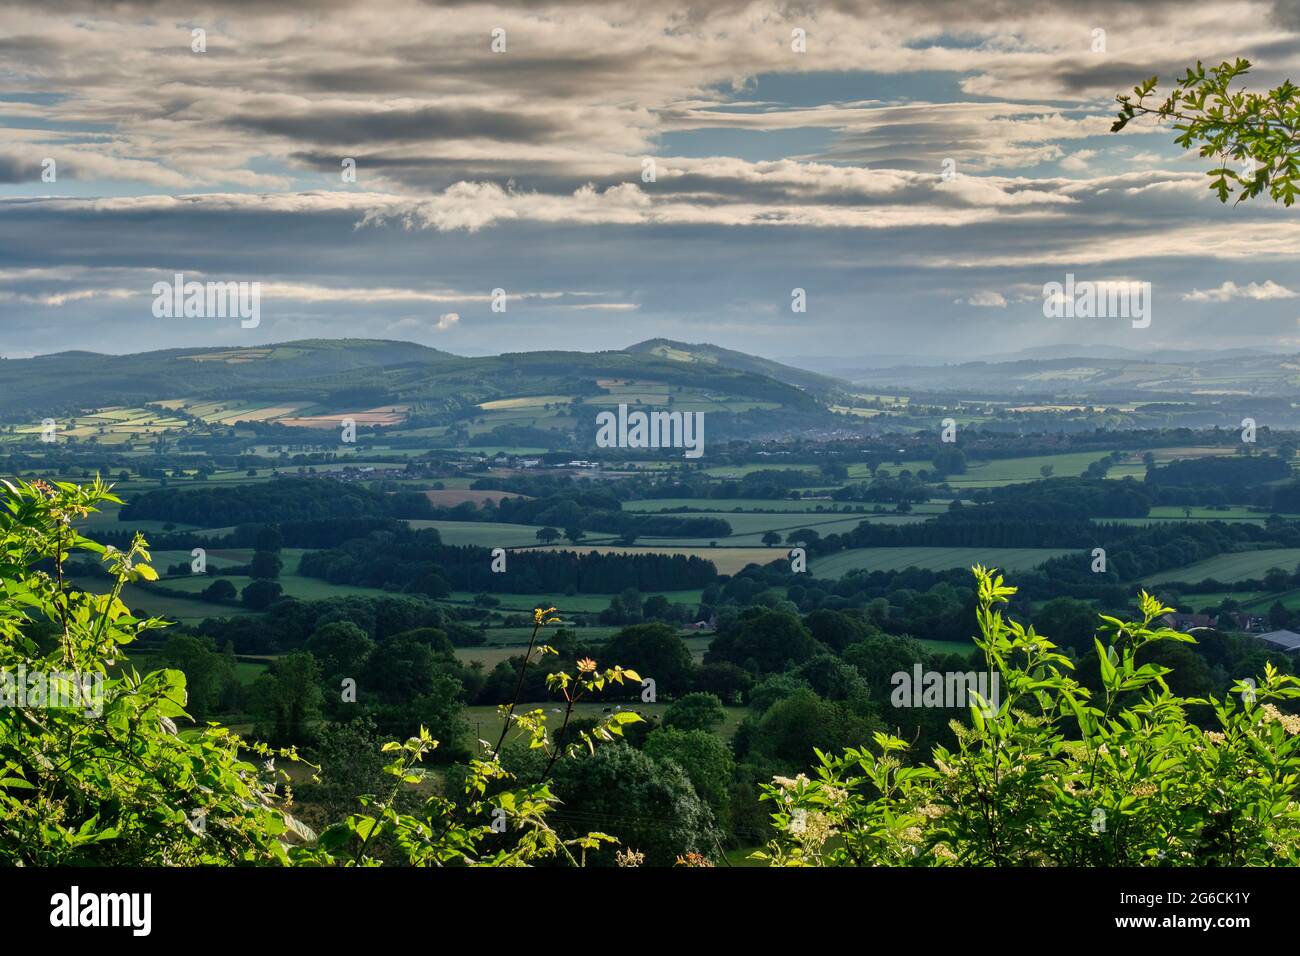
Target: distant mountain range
{"x": 356, "y": 371}
{"x": 1095, "y": 372}
{"x": 353, "y": 372}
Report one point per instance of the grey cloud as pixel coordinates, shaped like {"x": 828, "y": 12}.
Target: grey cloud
{"x": 334, "y": 126}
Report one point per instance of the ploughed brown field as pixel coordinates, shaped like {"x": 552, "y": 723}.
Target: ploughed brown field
{"x": 384, "y": 415}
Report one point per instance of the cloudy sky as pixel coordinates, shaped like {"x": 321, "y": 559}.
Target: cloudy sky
{"x": 626, "y": 170}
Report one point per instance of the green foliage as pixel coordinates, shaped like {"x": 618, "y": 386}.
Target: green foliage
{"x": 122, "y": 786}
{"x": 1232, "y": 125}
{"x": 650, "y": 806}
{"x": 110, "y": 779}
{"x": 697, "y": 711}
{"x": 705, "y": 759}
{"x": 1058, "y": 775}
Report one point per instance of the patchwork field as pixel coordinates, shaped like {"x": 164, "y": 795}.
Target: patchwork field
{"x": 381, "y": 416}
{"x": 569, "y": 603}
{"x": 1232, "y": 567}
{"x": 931, "y": 559}
{"x": 485, "y": 722}
{"x": 726, "y": 560}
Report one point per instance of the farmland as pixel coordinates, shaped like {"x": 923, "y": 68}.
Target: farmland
{"x": 1232, "y": 567}
{"x": 932, "y": 559}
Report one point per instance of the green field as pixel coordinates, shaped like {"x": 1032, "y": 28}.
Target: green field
{"x": 181, "y": 610}
{"x": 1235, "y": 513}
{"x": 931, "y": 559}
{"x": 990, "y": 474}
{"x": 1231, "y": 567}
{"x": 490, "y": 534}
{"x": 570, "y": 603}
{"x": 485, "y": 720}
{"x": 294, "y": 585}
{"x": 727, "y": 505}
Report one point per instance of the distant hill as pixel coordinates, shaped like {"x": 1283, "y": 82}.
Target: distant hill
{"x": 353, "y": 372}
{"x": 1114, "y": 379}
{"x": 705, "y": 354}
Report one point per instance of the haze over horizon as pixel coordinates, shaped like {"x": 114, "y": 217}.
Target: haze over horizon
{"x": 522, "y": 170}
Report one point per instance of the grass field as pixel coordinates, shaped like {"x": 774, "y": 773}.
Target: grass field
{"x": 931, "y": 559}
{"x": 485, "y": 721}
{"x": 732, "y": 505}
{"x": 727, "y": 507}
{"x": 726, "y": 560}
{"x": 1235, "y": 513}
{"x": 489, "y": 534}
{"x": 989, "y": 474}
{"x": 525, "y": 603}
{"x": 747, "y": 529}
{"x": 180, "y": 610}
{"x": 1231, "y": 567}
{"x": 946, "y": 647}
{"x": 294, "y": 585}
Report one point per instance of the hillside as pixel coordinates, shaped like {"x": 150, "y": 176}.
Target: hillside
{"x": 1116, "y": 379}
{"x": 305, "y": 380}
{"x": 713, "y": 355}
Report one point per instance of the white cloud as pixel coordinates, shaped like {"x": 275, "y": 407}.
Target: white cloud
{"x": 446, "y": 321}
{"x": 1260, "y": 291}
{"x": 985, "y": 299}
{"x": 1078, "y": 162}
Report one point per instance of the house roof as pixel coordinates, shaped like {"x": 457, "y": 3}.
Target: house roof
{"x": 1287, "y": 640}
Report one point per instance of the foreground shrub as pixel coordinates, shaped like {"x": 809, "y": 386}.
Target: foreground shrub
{"x": 95, "y": 771}
{"x": 1055, "y": 776}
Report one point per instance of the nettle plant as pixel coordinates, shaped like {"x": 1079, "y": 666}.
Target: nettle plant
{"x": 1058, "y": 776}
{"x": 124, "y": 785}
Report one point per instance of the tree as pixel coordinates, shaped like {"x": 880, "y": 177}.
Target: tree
{"x": 269, "y": 539}
{"x": 287, "y": 699}
{"x": 763, "y": 641}
{"x": 266, "y": 566}
{"x": 351, "y": 766}
{"x": 1071, "y": 622}
{"x": 219, "y": 591}
{"x": 656, "y": 608}
{"x": 341, "y": 648}
{"x": 836, "y": 629}
{"x": 1255, "y": 137}
{"x": 574, "y": 534}
{"x": 1277, "y": 580}
{"x": 209, "y": 676}
{"x": 654, "y": 650}
{"x": 649, "y": 806}
{"x": 259, "y": 595}
{"x": 1047, "y": 471}
{"x": 803, "y": 536}
{"x": 723, "y": 680}
{"x": 771, "y": 538}
{"x": 548, "y": 535}
{"x": 694, "y": 711}
{"x": 950, "y": 461}
{"x": 793, "y": 727}
{"x": 705, "y": 758}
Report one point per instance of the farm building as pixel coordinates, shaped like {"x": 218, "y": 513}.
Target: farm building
{"x": 1185, "y": 622}
{"x": 1283, "y": 640}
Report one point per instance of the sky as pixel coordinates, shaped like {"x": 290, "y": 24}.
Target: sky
{"x": 920, "y": 169}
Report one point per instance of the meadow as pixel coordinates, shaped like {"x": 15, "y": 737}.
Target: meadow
{"x": 1231, "y": 567}
{"x": 932, "y": 559}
